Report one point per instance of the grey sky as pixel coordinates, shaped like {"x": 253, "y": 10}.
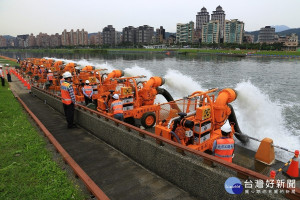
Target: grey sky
{"x": 53, "y": 16}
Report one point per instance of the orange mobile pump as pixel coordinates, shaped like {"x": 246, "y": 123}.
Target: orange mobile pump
{"x": 200, "y": 119}
{"x": 138, "y": 101}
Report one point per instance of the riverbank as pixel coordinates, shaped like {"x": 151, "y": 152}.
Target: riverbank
{"x": 27, "y": 168}
{"x": 168, "y": 51}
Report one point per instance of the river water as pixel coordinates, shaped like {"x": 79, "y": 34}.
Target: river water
{"x": 268, "y": 88}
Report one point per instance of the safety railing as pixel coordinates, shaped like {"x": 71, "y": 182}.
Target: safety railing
{"x": 242, "y": 172}
{"x": 90, "y": 184}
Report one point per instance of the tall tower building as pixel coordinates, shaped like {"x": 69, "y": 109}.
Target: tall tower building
{"x": 201, "y": 18}
{"x": 219, "y": 15}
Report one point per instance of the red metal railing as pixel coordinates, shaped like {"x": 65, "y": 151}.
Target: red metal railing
{"x": 241, "y": 171}
{"x": 90, "y": 184}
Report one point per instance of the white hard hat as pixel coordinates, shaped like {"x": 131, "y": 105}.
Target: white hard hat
{"x": 42, "y": 65}
{"x": 67, "y": 75}
{"x": 226, "y": 127}
{"x": 87, "y": 81}
{"x": 115, "y": 96}
{"x": 7, "y": 64}
{"x": 49, "y": 70}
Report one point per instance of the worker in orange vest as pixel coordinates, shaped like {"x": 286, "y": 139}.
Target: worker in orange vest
{"x": 50, "y": 77}
{"x": 117, "y": 107}
{"x": 87, "y": 91}
{"x": 223, "y": 148}
{"x": 68, "y": 98}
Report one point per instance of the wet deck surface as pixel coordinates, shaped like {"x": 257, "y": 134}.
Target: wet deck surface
{"x": 117, "y": 175}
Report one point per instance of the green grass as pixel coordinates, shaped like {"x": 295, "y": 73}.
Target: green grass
{"x": 27, "y": 170}
{"x": 4, "y": 61}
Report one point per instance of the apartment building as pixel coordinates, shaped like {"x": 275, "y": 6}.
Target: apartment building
{"x": 109, "y": 35}
{"x": 201, "y": 18}
{"x": 74, "y": 38}
{"x": 219, "y": 14}
{"x": 211, "y": 32}
{"x": 160, "y": 35}
{"x": 266, "y": 35}
{"x": 185, "y": 32}
{"x": 129, "y": 35}
{"x": 233, "y": 31}
{"x": 144, "y": 34}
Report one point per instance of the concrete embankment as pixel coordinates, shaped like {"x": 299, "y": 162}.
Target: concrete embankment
{"x": 188, "y": 171}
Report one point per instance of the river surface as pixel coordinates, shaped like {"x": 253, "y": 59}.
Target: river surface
{"x": 268, "y": 88}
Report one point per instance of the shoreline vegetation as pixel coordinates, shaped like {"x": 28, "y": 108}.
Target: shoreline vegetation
{"x": 169, "y": 51}
{"x": 28, "y": 169}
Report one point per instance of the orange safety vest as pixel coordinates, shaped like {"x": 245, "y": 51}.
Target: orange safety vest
{"x": 117, "y": 107}
{"x": 65, "y": 95}
{"x": 224, "y": 149}
{"x": 50, "y": 76}
{"x": 88, "y": 89}
{"x": 62, "y": 80}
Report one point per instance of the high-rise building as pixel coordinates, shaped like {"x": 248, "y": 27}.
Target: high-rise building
{"x": 144, "y": 34}
{"x": 210, "y": 32}
{"x": 185, "y": 32}
{"x": 219, "y": 15}
{"x": 65, "y": 41}
{"x": 129, "y": 35}
{"x": 55, "y": 40}
{"x": 43, "y": 40}
{"x": 74, "y": 38}
{"x": 160, "y": 34}
{"x": 233, "y": 32}
{"x": 201, "y": 18}
{"x": 109, "y": 35}
{"x": 266, "y": 35}
{"x": 31, "y": 40}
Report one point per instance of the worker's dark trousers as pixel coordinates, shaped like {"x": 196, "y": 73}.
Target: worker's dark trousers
{"x": 69, "y": 113}
{"x": 8, "y": 78}
{"x": 87, "y": 100}
{"x": 2, "y": 81}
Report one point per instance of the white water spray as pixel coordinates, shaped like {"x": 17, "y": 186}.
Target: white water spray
{"x": 83, "y": 62}
{"x": 180, "y": 85}
{"x": 138, "y": 71}
{"x": 259, "y": 117}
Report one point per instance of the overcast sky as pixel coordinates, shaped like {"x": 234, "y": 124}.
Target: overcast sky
{"x": 53, "y": 16}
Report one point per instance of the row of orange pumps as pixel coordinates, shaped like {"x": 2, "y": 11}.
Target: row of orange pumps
{"x": 194, "y": 121}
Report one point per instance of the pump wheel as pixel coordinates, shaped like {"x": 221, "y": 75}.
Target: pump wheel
{"x": 148, "y": 119}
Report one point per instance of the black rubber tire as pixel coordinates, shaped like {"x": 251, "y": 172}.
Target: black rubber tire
{"x": 145, "y": 116}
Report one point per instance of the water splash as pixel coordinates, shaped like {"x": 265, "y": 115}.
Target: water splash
{"x": 259, "y": 117}
{"x": 179, "y": 84}
{"x": 138, "y": 71}
{"x": 83, "y": 62}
